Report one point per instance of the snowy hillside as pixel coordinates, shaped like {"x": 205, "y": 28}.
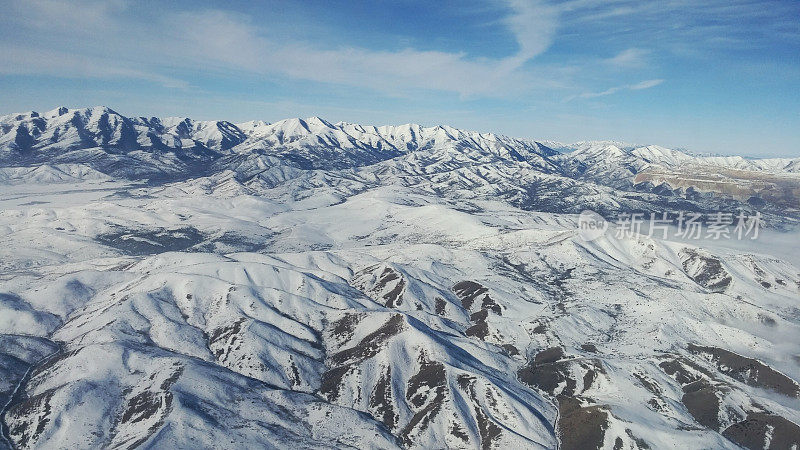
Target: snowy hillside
{"x": 171, "y": 283}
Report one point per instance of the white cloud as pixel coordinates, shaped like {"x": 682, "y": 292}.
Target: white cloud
{"x": 231, "y": 39}
{"x": 76, "y": 17}
{"x": 113, "y": 41}
{"x": 629, "y": 58}
{"x": 646, "y": 84}
{"x": 533, "y": 24}
{"x": 33, "y": 61}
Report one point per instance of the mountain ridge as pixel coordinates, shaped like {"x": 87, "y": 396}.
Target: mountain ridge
{"x": 236, "y": 133}
{"x": 176, "y": 148}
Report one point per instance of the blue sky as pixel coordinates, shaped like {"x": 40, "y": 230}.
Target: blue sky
{"x": 719, "y": 76}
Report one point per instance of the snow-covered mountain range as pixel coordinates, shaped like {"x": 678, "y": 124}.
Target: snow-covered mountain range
{"x": 61, "y": 134}
{"x": 180, "y": 148}
{"x": 302, "y": 284}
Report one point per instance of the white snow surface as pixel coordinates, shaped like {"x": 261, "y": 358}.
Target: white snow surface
{"x": 326, "y": 285}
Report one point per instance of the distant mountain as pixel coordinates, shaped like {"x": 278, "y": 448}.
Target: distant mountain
{"x": 542, "y": 176}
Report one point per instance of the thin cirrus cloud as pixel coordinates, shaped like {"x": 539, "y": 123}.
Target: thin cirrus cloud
{"x": 629, "y": 58}
{"x": 228, "y": 41}
{"x": 217, "y": 40}
{"x": 646, "y": 84}
{"x": 532, "y": 23}
{"x": 33, "y": 61}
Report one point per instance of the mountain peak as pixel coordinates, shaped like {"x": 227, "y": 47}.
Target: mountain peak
{"x": 56, "y": 112}
{"x": 318, "y": 121}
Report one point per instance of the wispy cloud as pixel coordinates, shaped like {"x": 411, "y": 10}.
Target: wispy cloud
{"x": 112, "y": 42}
{"x": 669, "y": 24}
{"x": 533, "y": 23}
{"x": 646, "y": 84}
{"x": 629, "y": 58}
{"x": 20, "y": 60}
